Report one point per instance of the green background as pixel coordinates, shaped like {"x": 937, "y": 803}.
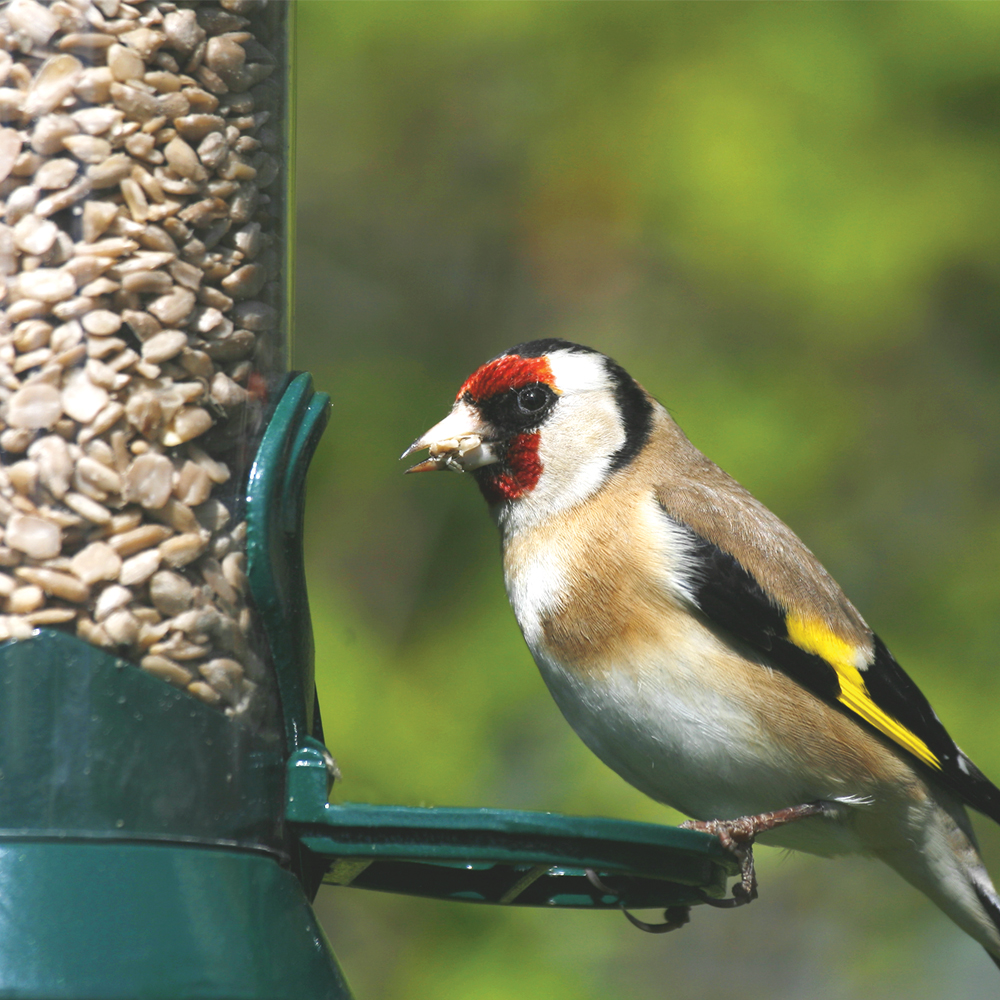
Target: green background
{"x": 783, "y": 220}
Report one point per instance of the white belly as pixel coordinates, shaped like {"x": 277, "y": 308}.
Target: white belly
{"x": 697, "y": 749}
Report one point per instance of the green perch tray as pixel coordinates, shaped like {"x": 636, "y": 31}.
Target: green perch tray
{"x": 500, "y": 856}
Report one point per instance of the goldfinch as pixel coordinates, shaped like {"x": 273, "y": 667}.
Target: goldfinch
{"x": 695, "y": 644}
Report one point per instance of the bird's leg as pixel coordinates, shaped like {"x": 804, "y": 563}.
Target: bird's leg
{"x": 737, "y": 835}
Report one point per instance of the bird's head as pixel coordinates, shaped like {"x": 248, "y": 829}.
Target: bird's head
{"x": 541, "y": 426}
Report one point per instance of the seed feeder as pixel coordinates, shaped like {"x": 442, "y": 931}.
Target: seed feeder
{"x": 164, "y": 784}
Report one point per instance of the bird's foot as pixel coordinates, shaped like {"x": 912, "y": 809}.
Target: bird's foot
{"x": 737, "y": 836}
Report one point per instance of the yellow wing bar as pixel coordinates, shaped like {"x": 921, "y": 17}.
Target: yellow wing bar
{"x": 813, "y": 636}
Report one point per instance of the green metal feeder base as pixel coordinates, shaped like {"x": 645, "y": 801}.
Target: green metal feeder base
{"x": 126, "y": 921}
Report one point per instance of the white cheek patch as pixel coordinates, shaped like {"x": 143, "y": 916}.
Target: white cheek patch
{"x": 576, "y": 447}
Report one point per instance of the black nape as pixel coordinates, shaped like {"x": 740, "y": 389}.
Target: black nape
{"x": 636, "y": 409}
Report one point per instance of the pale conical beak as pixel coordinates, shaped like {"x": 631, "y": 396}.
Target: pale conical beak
{"x": 458, "y": 443}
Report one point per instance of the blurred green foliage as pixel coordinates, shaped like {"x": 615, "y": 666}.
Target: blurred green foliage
{"x": 781, "y": 218}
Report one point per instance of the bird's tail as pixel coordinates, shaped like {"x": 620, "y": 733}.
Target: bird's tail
{"x": 991, "y": 904}
{"x": 946, "y": 866}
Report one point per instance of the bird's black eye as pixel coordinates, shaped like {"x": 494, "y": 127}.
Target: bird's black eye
{"x": 532, "y": 398}
{"x": 518, "y": 410}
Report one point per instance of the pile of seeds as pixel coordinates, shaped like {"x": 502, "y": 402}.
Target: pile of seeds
{"x": 141, "y": 231}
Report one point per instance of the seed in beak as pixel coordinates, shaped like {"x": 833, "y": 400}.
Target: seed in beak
{"x": 459, "y": 454}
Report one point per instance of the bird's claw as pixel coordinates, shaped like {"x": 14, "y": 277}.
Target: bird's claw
{"x": 737, "y": 836}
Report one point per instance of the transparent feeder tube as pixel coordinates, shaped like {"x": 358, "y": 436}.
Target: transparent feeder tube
{"x": 143, "y": 250}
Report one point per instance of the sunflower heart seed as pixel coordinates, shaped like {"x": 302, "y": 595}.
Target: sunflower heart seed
{"x": 98, "y": 561}
{"x": 149, "y": 481}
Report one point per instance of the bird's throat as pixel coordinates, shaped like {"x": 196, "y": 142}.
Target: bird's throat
{"x": 516, "y": 474}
